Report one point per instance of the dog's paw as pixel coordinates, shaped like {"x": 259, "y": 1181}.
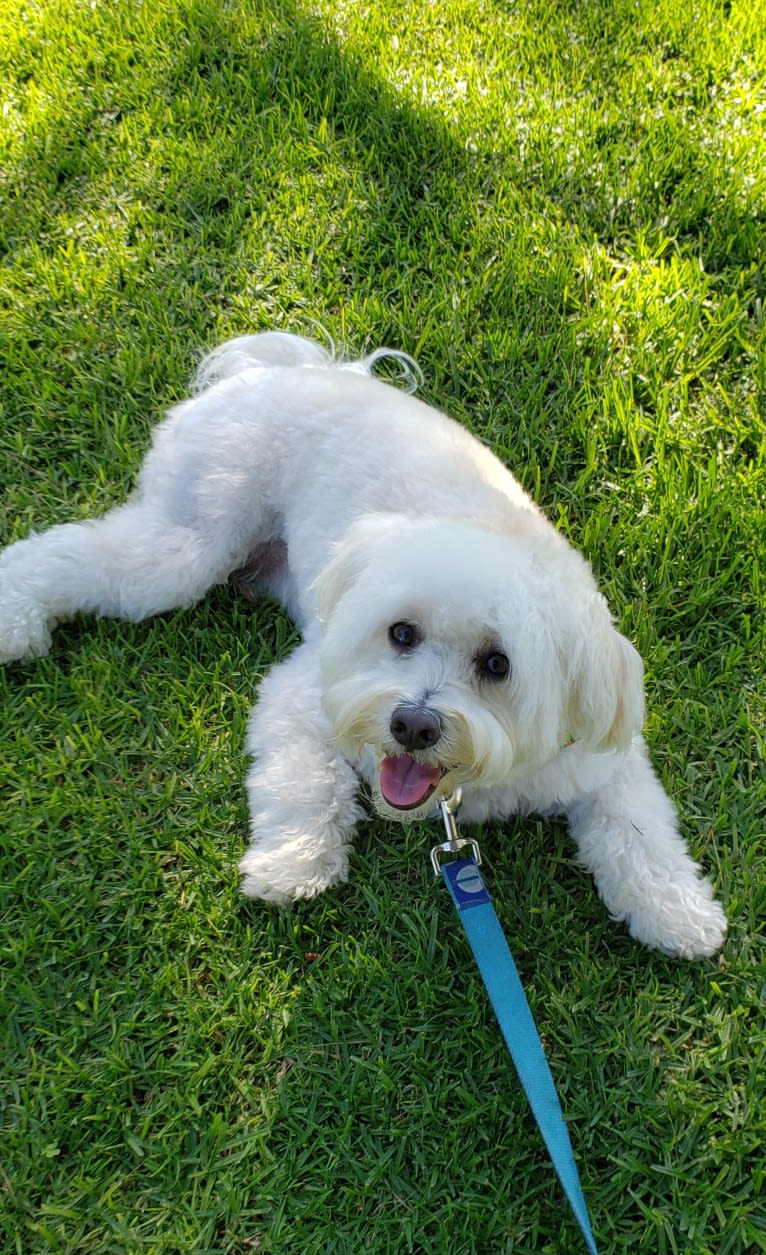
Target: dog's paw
{"x": 24, "y": 631}
{"x": 685, "y": 921}
{"x": 290, "y": 872}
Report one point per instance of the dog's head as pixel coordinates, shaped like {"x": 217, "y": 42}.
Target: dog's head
{"x": 459, "y": 653}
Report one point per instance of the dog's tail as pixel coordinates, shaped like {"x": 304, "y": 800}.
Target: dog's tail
{"x": 278, "y": 348}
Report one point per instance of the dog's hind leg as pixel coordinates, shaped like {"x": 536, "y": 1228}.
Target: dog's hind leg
{"x": 301, "y": 790}
{"x": 134, "y": 562}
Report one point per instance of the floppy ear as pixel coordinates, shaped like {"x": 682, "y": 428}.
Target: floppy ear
{"x": 350, "y": 556}
{"x": 606, "y": 700}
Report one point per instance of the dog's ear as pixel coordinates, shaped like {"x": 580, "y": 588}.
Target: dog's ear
{"x": 606, "y": 700}
{"x": 349, "y": 558}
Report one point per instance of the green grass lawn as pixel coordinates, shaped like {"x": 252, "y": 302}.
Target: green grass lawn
{"x": 560, "y": 209}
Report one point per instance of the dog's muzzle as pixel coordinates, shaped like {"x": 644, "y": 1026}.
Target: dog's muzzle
{"x": 406, "y": 782}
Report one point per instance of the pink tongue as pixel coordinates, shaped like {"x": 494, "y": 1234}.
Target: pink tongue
{"x": 404, "y": 782}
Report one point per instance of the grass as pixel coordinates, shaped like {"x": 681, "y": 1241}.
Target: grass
{"x": 560, "y": 210}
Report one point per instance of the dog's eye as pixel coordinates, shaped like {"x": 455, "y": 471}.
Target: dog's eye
{"x": 494, "y": 666}
{"x": 404, "y": 635}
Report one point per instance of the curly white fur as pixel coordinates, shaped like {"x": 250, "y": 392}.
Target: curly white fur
{"x": 362, "y": 509}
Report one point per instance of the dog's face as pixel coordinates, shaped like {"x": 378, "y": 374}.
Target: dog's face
{"x": 462, "y": 654}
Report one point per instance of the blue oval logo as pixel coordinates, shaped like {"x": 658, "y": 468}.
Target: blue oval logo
{"x": 468, "y": 879}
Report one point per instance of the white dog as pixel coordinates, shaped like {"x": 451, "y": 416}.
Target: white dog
{"x": 450, "y": 635}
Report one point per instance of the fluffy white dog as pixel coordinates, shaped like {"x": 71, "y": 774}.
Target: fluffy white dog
{"x": 450, "y": 635}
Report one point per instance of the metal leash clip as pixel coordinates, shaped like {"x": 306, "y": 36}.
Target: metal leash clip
{"x": 449, "y": 808}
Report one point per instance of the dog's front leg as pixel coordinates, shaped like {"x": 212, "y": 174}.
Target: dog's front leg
{"x": 301, "y": 790}
{"x": 627, "y": 835}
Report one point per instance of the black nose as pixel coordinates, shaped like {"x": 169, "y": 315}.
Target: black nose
{"x": 415, "y": 727}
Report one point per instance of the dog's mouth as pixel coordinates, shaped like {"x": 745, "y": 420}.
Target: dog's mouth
{"x": 406, "y": 783}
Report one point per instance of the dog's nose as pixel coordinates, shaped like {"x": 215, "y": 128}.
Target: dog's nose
{"x": 415, "y": 727}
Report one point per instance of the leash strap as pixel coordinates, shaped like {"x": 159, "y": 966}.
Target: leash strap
{"x": 506, "y": 993}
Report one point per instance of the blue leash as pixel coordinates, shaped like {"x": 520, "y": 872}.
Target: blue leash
{"x": 498, "y": 971}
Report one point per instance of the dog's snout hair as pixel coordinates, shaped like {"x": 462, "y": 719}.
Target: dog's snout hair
{"x": 415, "y": 727}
